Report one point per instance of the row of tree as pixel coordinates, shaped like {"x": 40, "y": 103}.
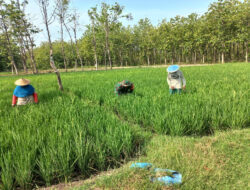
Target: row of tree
{"x": 219, "y": 35}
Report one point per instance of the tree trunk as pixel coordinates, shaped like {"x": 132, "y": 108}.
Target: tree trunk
{"x": 182, "y": 55}
{"x": 232, "y": 52}
{"x": 165, "y": 58}
{"x": 77, "y": 49}
{"x": 55, "y": 69}
{"x": 28, "y": 40}
{"x": 9, "y": 46}
{"x": 246, "y": 49}
{"x": 12, "y": 69}
{"x": 62, "y": 45}
{"x": 214, "y": 55}
{"x": 96, "y": 62}
{"x": 160, "y": 57}
{"x": 24, "y": 65}
{"x": 31, "y": 54}
{"x": 105, "y": 57}
{"x": 195, "y": 57}
{"x": 24, "y": 58}
{"x": 148, "y": 59}
{"x": 107, "y": 43}
{"x": 94, "y": 43}
{"x": 121, "y": 59}
{"x": 237, "y": 51}
{"x": 72, "y": 45}
{"x": 154, "y": 56}
{"x": 52, "y": 64}
{"x": 223, "y": 54}
{"x": 32, "y": 65}
{"x": 172, "y": 61}
{"x": 22, "y": 50}
{"x": 203, "y": 58}
{"x": 186, "y": 58}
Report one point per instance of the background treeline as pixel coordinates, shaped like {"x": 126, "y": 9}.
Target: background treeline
{"x": 219, "y": 35}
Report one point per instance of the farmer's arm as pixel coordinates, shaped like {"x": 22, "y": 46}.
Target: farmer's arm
{"x": 168, "y": 80}
{"x": 35, "y": 97}
{"x": 183, "y": 80}
{"x": 14, "y": 100}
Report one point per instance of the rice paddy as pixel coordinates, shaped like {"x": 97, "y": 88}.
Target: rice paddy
{"x": 87, "y": 128}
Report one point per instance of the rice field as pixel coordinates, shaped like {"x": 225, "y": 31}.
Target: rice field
{"x": 87, "y": 128}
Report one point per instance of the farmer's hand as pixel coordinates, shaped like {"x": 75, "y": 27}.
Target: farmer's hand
{"x": 13, "y": 105}
{"x": 172, "y": 87}
{"x": 184, "y": 87}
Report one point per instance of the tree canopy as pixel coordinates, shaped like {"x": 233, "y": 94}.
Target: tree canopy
{"x": 219, "y": 35}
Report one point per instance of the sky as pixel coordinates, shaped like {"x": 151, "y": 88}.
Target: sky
{"x": 155, "y": 10}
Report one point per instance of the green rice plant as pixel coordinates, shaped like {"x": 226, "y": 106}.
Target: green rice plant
{"x": 7, "y": 171}
{"x": 24, "y": 160}
{"x": 87, "y": 128}
{"x": 83, "y": 151}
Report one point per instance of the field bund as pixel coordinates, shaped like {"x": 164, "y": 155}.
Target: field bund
{"x": 87, "y": 129}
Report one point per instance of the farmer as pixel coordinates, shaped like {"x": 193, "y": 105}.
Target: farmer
{"x": 124, "y": 87}
{"x": 175, "y": 79}
{"x": 24, "y": 93}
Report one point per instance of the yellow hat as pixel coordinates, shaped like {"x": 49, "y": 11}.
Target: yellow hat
{"x": 22, "y": 82}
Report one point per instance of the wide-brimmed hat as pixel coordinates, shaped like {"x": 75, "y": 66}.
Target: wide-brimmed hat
{"x": 22, "y": 82}
{"x": 173, "y": 68}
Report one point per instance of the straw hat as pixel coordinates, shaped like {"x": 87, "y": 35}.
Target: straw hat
{"x": 173, "y": 68}
{"x": 22, "y": 82}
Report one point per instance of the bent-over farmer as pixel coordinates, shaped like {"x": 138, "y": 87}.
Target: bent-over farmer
{"x": 24, "y": 93}
{"x": 175, "y": 79}
{"x": 124, "y": 87}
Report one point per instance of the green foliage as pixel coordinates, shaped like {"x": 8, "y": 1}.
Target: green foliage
{"x": 222, "y": 32}
{"x": 42, "y": 55}
{"x": 188, "y": 39}
{"x": 4, "y": 61}
{"x": 16, "y": 31}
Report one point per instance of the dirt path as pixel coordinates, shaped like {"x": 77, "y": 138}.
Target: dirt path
{"x": 78, "y": 182}
{"x": 100, "y": 69}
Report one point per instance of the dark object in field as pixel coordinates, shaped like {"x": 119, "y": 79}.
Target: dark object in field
{"x": 124, "y": 87}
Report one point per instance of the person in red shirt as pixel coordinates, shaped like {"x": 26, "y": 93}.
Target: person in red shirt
{"x": 24, "y": 93}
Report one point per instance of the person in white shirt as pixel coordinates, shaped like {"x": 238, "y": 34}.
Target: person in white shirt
{"x": 175, "y": 79}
